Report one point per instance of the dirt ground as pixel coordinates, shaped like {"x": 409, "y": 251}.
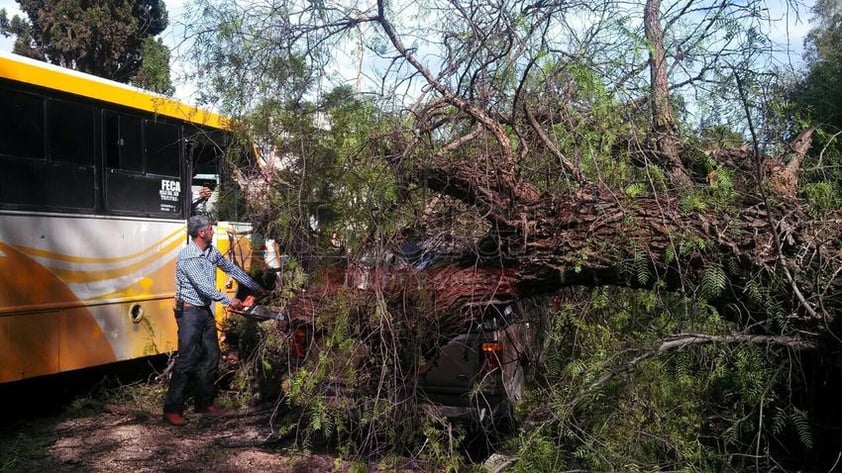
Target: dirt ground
{"x": 110, "y": 421}
{"x": 80, "y": 422}
{"x": 86, "y": 435}
{"x": 122, "y": 439}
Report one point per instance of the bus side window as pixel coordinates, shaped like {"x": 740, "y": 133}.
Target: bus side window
{"x": 162, "y": 149}
{"x": 21, "y": 125}
{"x": 21, "y": 148}
{"x": 123, "y": 149}
{"x": 71, "y": 132}
{"x": 142, "y": 175}
{"x": 70, "y": 144}
{"x": 46, "y": 152}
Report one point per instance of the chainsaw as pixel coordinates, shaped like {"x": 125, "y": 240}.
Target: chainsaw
{"x": 258, "y": 312}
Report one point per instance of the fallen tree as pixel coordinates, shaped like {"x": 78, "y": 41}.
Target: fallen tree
{"x": 594, "y": 236}
{"x": 534, "y": 162}
{"x": 589, "y": 232}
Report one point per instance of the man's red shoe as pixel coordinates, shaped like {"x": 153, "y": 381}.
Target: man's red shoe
{"x": 174, "y": 418}
{"x": 212, "y": 409}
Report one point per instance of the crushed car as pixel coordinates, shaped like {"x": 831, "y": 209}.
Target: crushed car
{"x": 476, "y": 373}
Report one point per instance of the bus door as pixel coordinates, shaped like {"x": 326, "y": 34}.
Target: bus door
{"x": 232, "y": 237}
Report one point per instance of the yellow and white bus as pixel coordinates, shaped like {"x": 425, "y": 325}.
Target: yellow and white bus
{"x": 95, "y": 187}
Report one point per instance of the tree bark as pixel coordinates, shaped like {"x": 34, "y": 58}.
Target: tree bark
{"x": 663, "y": 123}
{"x": 593, "y": 237}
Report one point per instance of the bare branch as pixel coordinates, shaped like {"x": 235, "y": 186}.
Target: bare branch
{"x": 683, "y": 340}
{"x": 570, "y": 166}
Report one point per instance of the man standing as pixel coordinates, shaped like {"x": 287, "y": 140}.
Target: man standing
{"x": 198, "y": 347}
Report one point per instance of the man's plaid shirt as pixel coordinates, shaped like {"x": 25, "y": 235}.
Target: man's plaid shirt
{"x": 195, "y": 275}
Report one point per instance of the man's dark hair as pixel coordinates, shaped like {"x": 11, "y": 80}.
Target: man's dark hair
{"x": 195, "y": 224}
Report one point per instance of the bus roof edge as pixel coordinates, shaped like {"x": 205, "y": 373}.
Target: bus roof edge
{"x": 41, "y": 74}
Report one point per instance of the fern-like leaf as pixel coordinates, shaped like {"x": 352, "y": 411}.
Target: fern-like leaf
{"x": 641, "y": 268}
{"x": 779, "y": 421}
{"x": 713, "y": 281}
{"x": 802, "y": 427}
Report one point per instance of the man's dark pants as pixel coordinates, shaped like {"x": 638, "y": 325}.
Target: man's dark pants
{"x": 197, "y": 359}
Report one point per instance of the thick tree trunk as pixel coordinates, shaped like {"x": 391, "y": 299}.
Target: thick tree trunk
{"x": 663, "y": 123}
{"x": 593, "y": 237}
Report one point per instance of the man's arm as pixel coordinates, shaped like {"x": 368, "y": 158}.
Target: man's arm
{"x": 236, "y": 272}
{"x": 204, "y": 194}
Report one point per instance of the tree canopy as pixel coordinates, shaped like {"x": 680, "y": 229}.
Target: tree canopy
{"x": 815, "y": 99}
{"x": 110, "y": 39}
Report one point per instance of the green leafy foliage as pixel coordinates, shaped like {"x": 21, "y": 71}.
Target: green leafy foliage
{"x": 609, "y": 399}
{"x": 356, "y": 392}
{"x": 693, "y": 202}
{"x": 616, "y": 409}
{"x": 822, "y": 196}
{"x": 636, "y": 189}
{"x": 154, "y": 72}
{"x": 801, "y": 422}
{"x": 815, "y": 101}
{"x": 641, "y": 265}
{"x": 592, "y": 126}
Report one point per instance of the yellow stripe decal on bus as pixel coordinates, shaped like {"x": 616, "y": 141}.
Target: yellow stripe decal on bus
{"x": 76, "y": 276}
{"x": 41, "y": 74}
{"x": 37, "y": 252}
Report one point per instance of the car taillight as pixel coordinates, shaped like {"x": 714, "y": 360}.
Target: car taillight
{"x": 490, "y": 356}
{"x": 298, "y": 347}
{"x": 492, "y": 347}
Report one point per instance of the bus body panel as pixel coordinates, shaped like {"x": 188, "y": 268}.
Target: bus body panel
{"x": 38, "y": 73}
{"x": 232, "y": 239}
{"x": 81, "y": 292}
